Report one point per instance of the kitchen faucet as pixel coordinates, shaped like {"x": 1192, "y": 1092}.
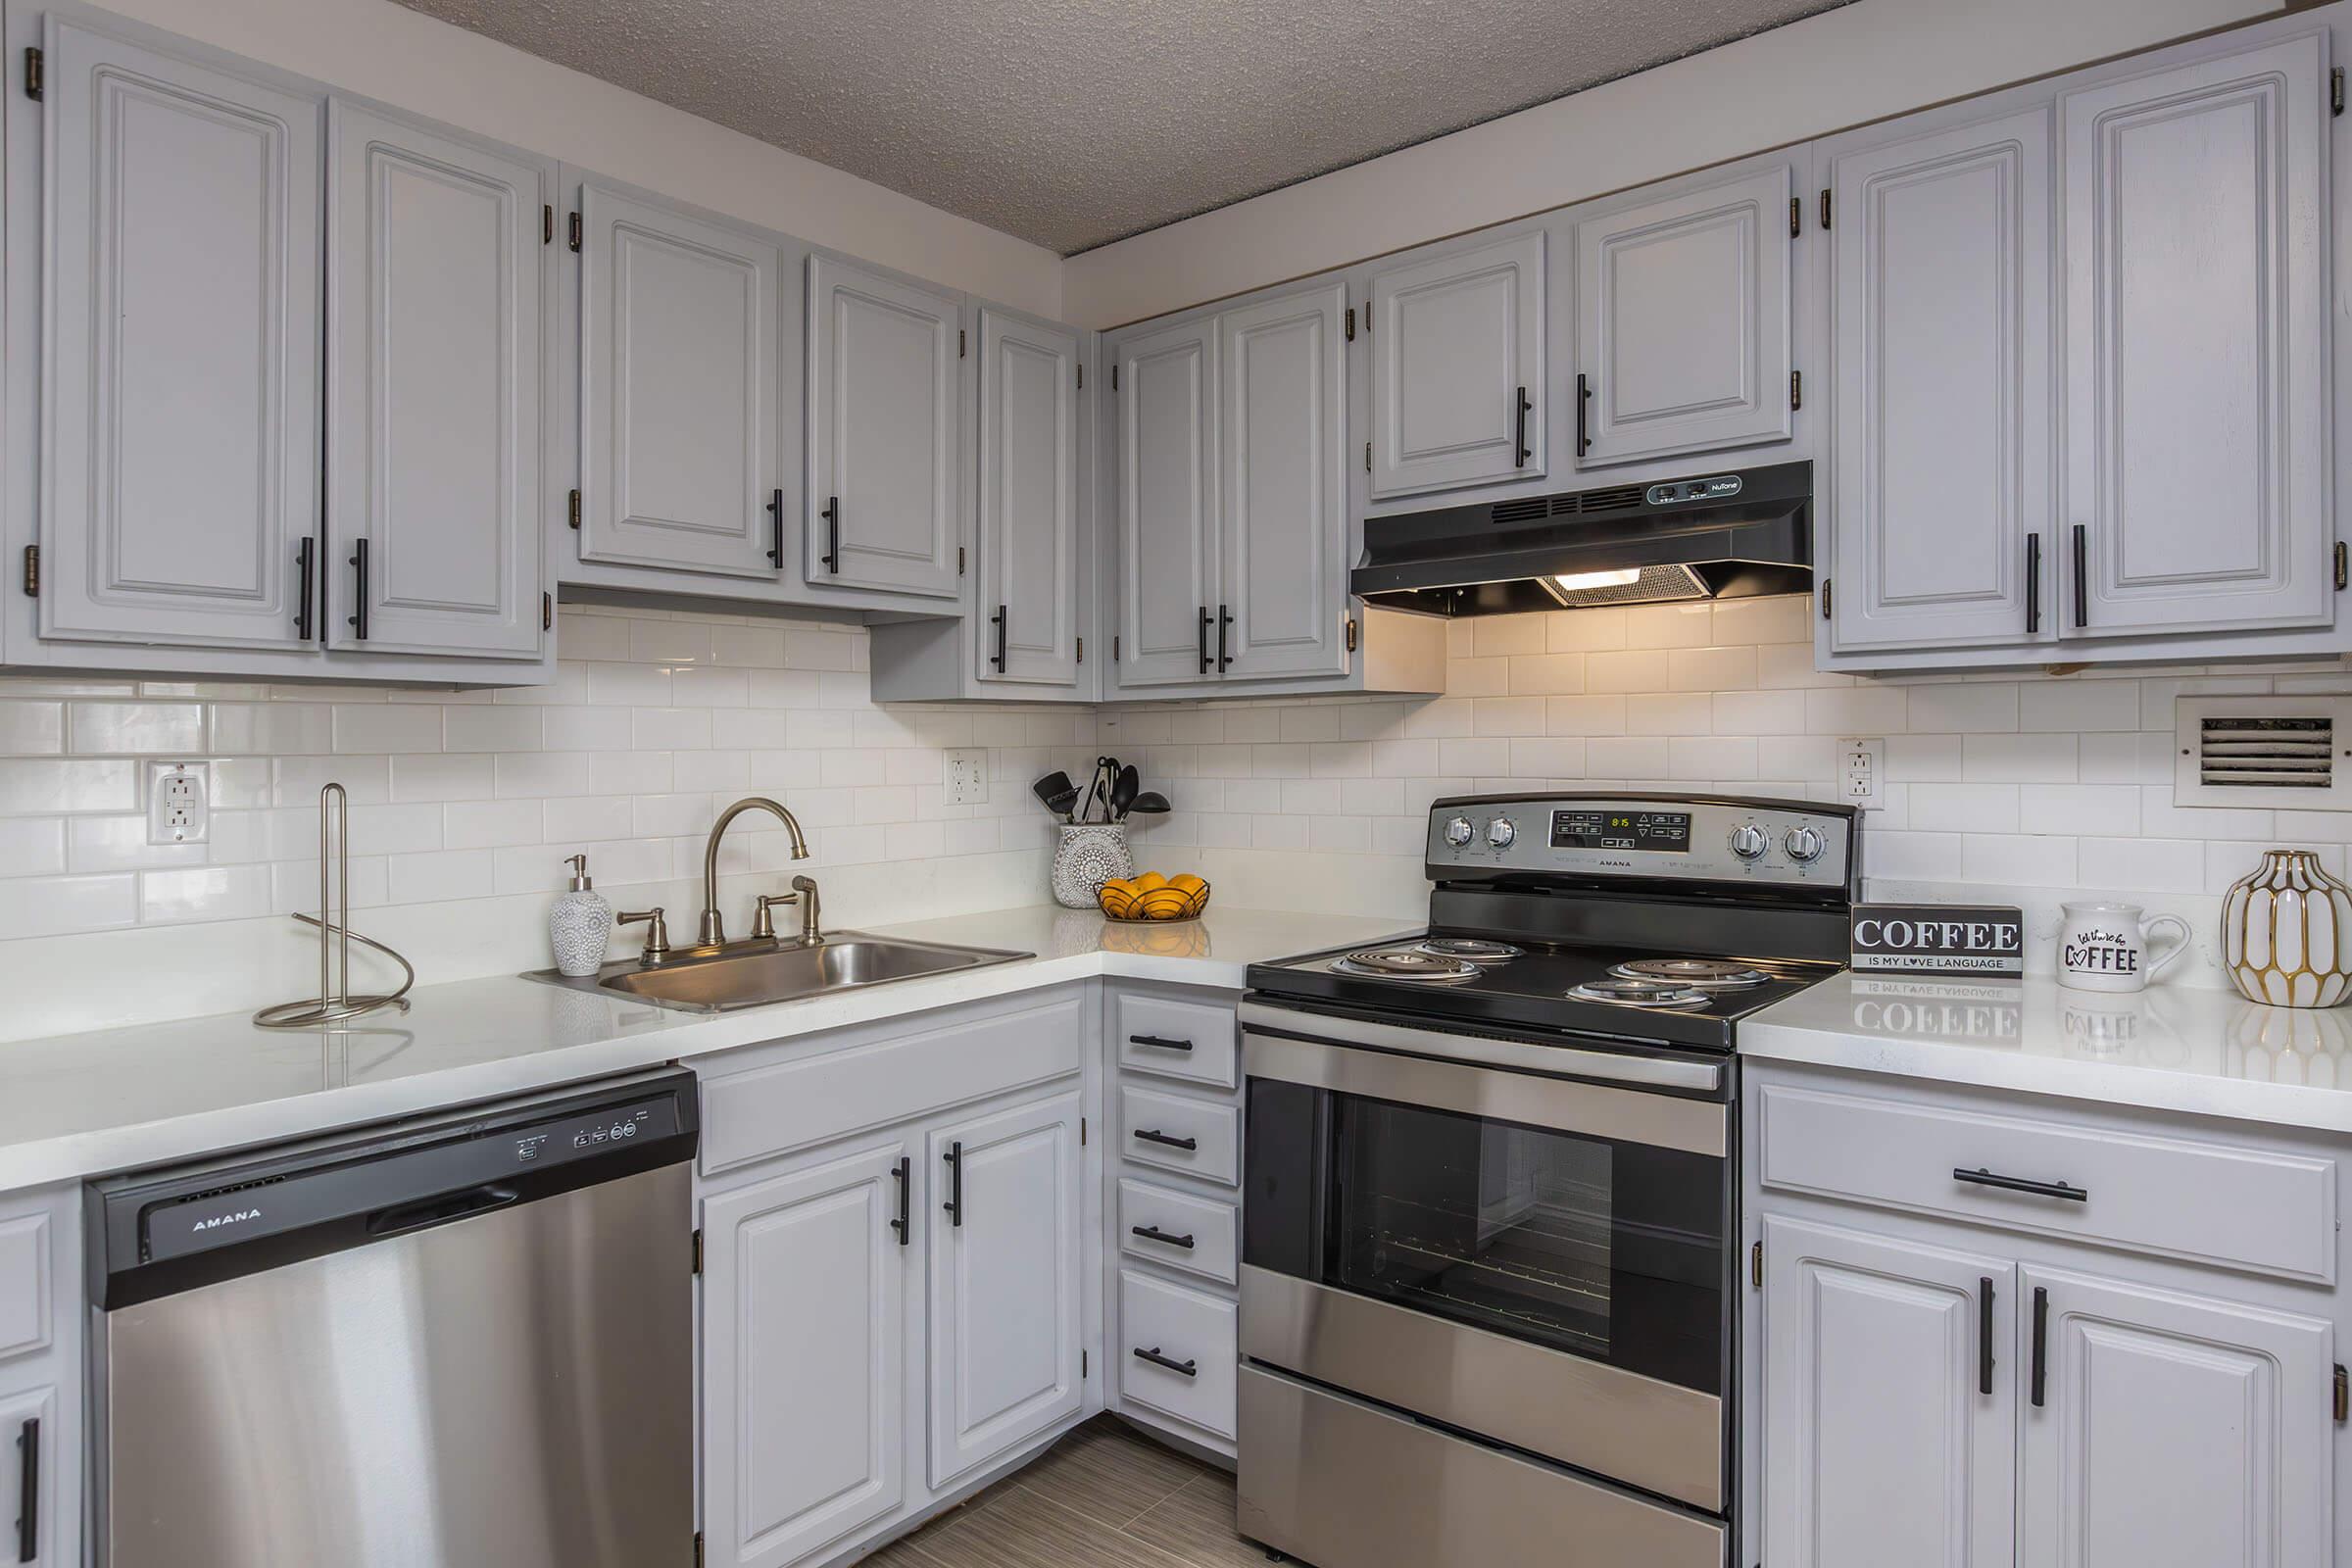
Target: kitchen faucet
{"x": 715, "y": 930}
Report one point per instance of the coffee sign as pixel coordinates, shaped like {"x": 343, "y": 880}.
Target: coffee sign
{"x": 1938, "y": 939}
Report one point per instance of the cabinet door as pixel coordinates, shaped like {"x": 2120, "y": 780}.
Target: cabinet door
{"x": 1028, "y": 520}
{"x": 2197, "y": 446}
{"x": 1167, "y": 488}
{"x": 2172, "y": 1430}
{"x": 1283, "y": 594}
{"x": 32, "y": 1445}
{"x": 1941, "y": 314}
{"x": 1005, "y": 1281}
{"x": 1457, "y": 370}
{"x": 435, "y": 268}
{"x": 1681, "y": 321}
{"x": 805, "y": 1356}
{"x": 882, "y": 492}
{"x": 181, "y": 464}
{"x": 1881, "y": 1444}
{"x": 678, "y": 389}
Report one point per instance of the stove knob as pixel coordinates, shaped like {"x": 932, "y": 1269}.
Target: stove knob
{"x": 1501, "y": 832}
{"x": 1750, "y": 842}
{"x": 1457, "y": 832}
{"x": 1804, "y": 844}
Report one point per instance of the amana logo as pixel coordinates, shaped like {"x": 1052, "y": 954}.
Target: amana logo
{"x": 218, "y": 1220}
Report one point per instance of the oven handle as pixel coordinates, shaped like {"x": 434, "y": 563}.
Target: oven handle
{"x": 1601, "y": 1065}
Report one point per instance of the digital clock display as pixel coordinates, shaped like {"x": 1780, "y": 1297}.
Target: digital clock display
{"x": 1621, "y": 831}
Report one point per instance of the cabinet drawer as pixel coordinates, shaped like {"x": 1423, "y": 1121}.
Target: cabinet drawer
{"x": 2272, "y": 1212}
{"x": 1174, "y": 1039}
{"x": 1200, "y": 1230}
{"x": 25, "y": 1274}
{"x": 1175, "y": 1132}
{"x": 1196, "y": 1332}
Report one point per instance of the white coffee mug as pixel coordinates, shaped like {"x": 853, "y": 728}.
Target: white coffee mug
{"x": 2105, "y": 947}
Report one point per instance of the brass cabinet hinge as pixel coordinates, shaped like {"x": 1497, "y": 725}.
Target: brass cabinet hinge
{"x": 546, "y": 223}
{"x": 1796, "y": 390}
{"x": 2336, "y": 90}
{"x": 34, "y": 73}
{"x": 1756, "y": 1265}
{"x": 578, "y": 231}
{"x": 2343, "y": 1394}
{"x": 1797, "y": 215}
{"x": 1351, "y": 634}
{"x": 1825, "y": 598}
{"x": 2341, "y": 577}
{"x": 698, "y": 1250}
{"x": 1825, "y": 206}
{"x": 1082, "y": 659}
{"x": 32, "y": 571}
{"x": 547, "y": 611}
{"x": 575, "y": 510}
{"x": 1351, "y": 324}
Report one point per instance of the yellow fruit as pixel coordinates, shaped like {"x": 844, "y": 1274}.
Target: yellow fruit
{"x": 1117, "y": 899}
{"x": 1164, "y": 904}
{"x": 1199, "y": 900}
{"x": 1148, "y": 881}
{"x": 1189, "y": 882}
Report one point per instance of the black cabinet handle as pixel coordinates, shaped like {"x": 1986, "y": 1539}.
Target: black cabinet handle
{"x": 1583, "y": 413}
{"x": 831, "y": 559}
{"x": 359, "y": 602}
{"x": 1524, "y": 451}
{"x": 29, "y": 1495}
{"x": 2032, "y": 583}
{"x": 1153, "y": 1233}
{"x": 903, "y": 1174}
{"x": 1985, "y": 1335}
{"x": 2042, "y": 1343}
{"x": 1189, "y": 1369}
{"x": 1224, "y": 627}
{"x": 775, "y": 529}
{"x": 955, "y": 1204}
{"x": 1981, "y": 1177}
{"x": 304, "y": 568}
{"x": 2082, "y": 575}
{"x": 1159, "y": 1042}
{"x": 1152, "y": 1135}
{"x": 1203, "y": 639}
{"x": 998, "y": 658}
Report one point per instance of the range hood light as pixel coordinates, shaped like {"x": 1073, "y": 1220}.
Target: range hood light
{"x": 1575, "y": 582}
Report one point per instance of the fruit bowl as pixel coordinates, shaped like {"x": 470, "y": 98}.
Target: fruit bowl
{"x": 1151, "y": 899}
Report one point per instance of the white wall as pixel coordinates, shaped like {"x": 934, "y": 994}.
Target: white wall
{"x": 404, "y": 57}
{"x": 1865, "y": 62}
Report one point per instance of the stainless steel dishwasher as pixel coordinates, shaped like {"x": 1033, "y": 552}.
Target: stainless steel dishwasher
{"x": 460, "y": 1341}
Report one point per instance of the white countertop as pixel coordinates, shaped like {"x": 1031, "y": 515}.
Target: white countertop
{"x": 2179, "y": 1048}
{"x": 78, "y": 1105}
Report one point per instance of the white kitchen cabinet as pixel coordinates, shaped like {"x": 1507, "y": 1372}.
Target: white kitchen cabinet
{"x": 1889, "y": 1435}
{"x": 678, "y": 367}
{"x": 181, "y": 412}
{"x": 2196, "y": 405}
{"x": 1683, "y": 318}
{"x": 1456, "y": 343}
{"x": 883, "y": 491}
{"x": 803, "y": 1330}
{"x": 1029, "y": 625}
{"x": 42, "y": 1315}
{"x": 32, "y": 1448}
{"x": 1005, "y": 1335}
{"x": 2165, "y": 1430}
{"x": 437, "y": 263}
{"x": 1168, "y": 503}
{"x": 1940, "y": 482}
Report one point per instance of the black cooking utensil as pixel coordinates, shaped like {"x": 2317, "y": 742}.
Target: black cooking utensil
{"x": 1060, "y": 804}
{"x": 1151, "y": 803}
{"x": 1051, "y": 786}
{"x": 1123, "y": 791}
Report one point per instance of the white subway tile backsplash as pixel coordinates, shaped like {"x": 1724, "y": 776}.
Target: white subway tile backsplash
{"x": 2072, "y": 707}
{"x": 131, "y": 728}
{"x": 52, "y": 905}
{"x": 31, "y": 729}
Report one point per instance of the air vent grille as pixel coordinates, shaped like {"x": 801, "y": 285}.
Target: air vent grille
{"x": 2291, "y": 753}
{"x": 1630, "y": 495}
{"x": 1533, "y": 509}
{"x": 2285, "y": 750}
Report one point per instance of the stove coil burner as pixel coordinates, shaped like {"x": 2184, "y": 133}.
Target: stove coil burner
{"x": 1407, "y": 964}
{"x": 1476, "y": 950}
{"x": 1697, "y": 974}
{"x": 1656, "y": 994}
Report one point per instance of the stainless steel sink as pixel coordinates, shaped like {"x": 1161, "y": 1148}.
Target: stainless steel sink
{"x": 752, "y": 974}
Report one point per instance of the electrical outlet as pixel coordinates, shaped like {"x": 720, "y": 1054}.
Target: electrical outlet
{"x": 178, "y": 802}
{"x": 968, "y": 778}
{"x": 1862, "y": 772}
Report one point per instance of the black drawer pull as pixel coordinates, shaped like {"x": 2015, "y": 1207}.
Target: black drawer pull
{"x": 1160, "y": 1041}
{"x": 1153, "y": 1233}
{"x": 1203, "y": 639}
{"x": 1189, "y": 1369}
{"x": 28, "y": 1504}
{"x": 2042, "y": 1344}
{"x": 903, "y": 1174}
{"x": 359, "y": 603}
{"x": 1981, "y": 1177}
{"x": 2032, "y": 583}
{"x": 1152, "y": 1135}
{"x": 2082, "y": 575}
{"x": 304, "y": 567}
{"x": 1520, "y": 445}
{"x": 831, "y": 559}
{"x": 998, "y": 658}
{"x": 1584, "y": 415}
{"x": 955, "y": 1204}
{"x": 1985, "y": 1335}
{"x": 775, "y": 531}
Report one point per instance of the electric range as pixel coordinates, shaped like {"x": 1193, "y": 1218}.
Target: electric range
{"x": 1490, "y": 1214}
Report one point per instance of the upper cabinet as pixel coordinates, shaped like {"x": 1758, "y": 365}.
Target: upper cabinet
{"x": 882, "y": 482}
{"x": 1456, "y": 345}
{"x": 679, "y": 359}
{"x": 1166, "y": 503}
{"x": 1683, "y": 308}
{"x": 1027, "y": 522}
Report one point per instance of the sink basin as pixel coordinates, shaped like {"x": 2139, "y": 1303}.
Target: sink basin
{"x": 748, "y": 975}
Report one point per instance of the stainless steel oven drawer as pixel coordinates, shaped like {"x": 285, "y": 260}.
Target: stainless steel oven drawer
{"x": 1331, "y": 1480}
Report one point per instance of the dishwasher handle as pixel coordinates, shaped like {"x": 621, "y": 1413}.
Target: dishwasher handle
{"x": 449, "y": 1207}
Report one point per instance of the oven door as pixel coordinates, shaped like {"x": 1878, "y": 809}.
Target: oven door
{"x": 1542, "y": 1260}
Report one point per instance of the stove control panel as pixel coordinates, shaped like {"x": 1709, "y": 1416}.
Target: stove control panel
{"x": 1774, "y": 842}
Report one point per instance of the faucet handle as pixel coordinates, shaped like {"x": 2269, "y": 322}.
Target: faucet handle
{"x": 657, "y": 935}
{"x": 804, "y": 887}
{"x": 763, "y": 925}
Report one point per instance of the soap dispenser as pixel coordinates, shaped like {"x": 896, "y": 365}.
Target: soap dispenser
{"x": 580, "y": 923}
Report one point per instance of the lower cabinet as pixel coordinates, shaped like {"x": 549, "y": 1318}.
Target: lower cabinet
{"x": 41, "y": 1378}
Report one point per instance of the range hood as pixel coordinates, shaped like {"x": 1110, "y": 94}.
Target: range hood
{"x": 1725, "y": 535}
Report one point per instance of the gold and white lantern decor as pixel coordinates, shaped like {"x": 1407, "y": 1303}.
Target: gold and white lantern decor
{"x": 2286, "y": 932}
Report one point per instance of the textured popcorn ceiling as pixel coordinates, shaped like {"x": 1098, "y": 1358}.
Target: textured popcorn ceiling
{"x": 1073, "y": 122}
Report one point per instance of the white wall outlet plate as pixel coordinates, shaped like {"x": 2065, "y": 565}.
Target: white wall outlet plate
{"x": 179, "y": 797}
{"x": 1862, "y": 772}
{"x": 968, "y": 778}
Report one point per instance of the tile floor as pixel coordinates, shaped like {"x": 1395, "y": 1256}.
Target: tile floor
{"x": 1105, "y": 1497}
